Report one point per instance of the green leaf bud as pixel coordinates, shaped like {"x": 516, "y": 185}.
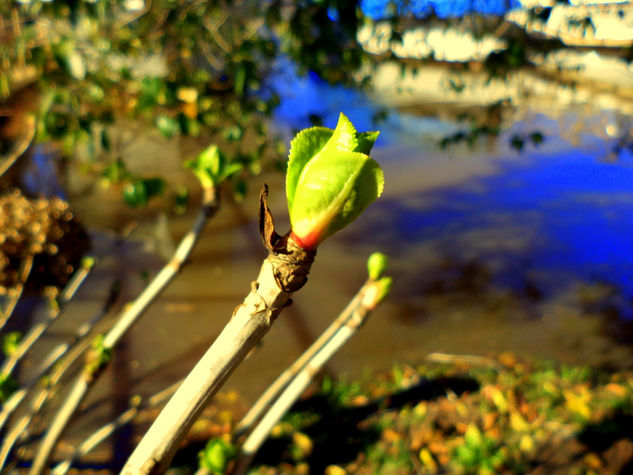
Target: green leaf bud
{"x": 376, "y": 265}
{"x": 88, "y": 262}
{"x": 330, "y": 180}
{"x": 98, "y": 356}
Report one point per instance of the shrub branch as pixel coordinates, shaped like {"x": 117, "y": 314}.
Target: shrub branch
{"x": 95, "y": 360}
{"x": 282, "y": 273}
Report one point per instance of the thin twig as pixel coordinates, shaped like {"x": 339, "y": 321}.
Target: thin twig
{"x": 15, "y": 293}
{"x": 271, "y": 393}
{"x": 136, "y": 405}
{"x": 129, "y": 316}
{"x": 35, "y": 332}
{"x": 20, "y": 147}
{"x": 135, "y": 16}
{"x": 14, "y": 401}
{"x": 213, "y": 30}
{"x": 363, "y": 303}
{"x": 22, "y": 430}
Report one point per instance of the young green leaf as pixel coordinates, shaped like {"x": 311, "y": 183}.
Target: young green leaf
{"x": 168, "y": 126}
{"x": 211, "y": 166}
{"x": 331, "y": 179}
{"x": 135, "y": 194}
{"x": 303, "y": 147}
{"x": 140, "y": 190}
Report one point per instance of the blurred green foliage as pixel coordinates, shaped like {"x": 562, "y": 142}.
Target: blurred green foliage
{"x": 216, "y": 455}
{"x": 184, "y": 67}
{"x": 504, "y": 415}
{"x": 11, "y": 343}
{"x": 8, "y": 385}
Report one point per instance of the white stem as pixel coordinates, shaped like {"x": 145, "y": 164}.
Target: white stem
{"x": 158, "y": 283}
{"x": 297, "y": 386}
{"x": 14, "y": 401}
{"x": 14, "y": 295}
{"x": 248, "y": 325}
{"x": 271, "y": 393}
{"x": 36, "y": 332}
{"x": 136, "y": 404}
{"x": 54, "y": 432}
{"x": 130, "y": 315}
{"x": 20, "y": 431}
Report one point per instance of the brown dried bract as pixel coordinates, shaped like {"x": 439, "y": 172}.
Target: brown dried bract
{"x": 291, "y": 263}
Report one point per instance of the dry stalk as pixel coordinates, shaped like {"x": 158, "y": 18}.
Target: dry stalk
{"x": 58, "y": 303}
{"x": 301, "y": 373}
{"x": 94, "y": 364}
{"x": 14, "y": 401}
{"x": 136, "y": 404}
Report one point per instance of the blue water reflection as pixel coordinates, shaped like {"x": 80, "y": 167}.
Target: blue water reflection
{"x": 302, "y": 97}
{"x": 442, "y": 8}
{"x": 565, "y": 215}
{"x": 310, "y": 95}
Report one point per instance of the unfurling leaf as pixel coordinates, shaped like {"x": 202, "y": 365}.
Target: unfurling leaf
{"x": 211, "y": 167}
{"x": 330, "y": 180}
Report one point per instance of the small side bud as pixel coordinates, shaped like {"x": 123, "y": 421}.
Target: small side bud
{"x": 88, "y": 262}
{"x": 376, "y": 265}
{"x": 97, "y": 357}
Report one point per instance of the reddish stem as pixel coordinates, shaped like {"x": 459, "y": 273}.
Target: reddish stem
{"x": 308, "y": 243}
